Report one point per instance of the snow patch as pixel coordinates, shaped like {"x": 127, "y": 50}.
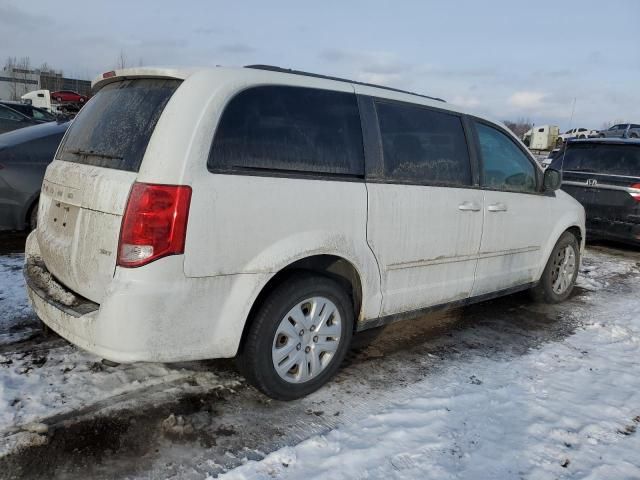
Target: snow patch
{"x": 38, "y": 273}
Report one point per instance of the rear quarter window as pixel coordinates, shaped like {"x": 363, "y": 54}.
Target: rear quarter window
{"x": 113, "y": 129}
{"x": 289, "y": 129}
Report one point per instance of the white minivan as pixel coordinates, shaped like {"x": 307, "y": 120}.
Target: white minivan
{"x": 267, "y": 214}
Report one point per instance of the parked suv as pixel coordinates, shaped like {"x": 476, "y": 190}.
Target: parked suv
{"x": 604, "y": 175}
{"x": 268, "y": 214}
{"x": 626, "y": 130}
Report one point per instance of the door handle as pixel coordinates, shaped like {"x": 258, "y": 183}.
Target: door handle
{"x": 497, "y": 207}
{"x": 469, "y": 207}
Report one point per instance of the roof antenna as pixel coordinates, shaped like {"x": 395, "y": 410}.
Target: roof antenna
{"x": 564, "y": 144}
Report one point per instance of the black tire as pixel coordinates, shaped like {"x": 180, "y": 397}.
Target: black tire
{"x": 633, "y": 135}
{"x": 543, "y": 292}
{"x": 255, "y": 358}
{"x": 33, "y": 217}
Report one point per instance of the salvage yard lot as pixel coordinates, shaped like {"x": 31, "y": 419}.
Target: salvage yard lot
{"x": 505, "y": 389}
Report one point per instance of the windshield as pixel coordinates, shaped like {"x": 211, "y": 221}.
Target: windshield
{"x": 603, "y": 158}
{"x": 115, "y": 126}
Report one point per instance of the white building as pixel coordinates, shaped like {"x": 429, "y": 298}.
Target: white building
{"x": 15, "y": 82}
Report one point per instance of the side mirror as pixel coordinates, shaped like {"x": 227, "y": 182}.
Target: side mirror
{"x": 552, "y": 180}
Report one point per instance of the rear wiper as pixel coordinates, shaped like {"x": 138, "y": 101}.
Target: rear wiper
{"x": 92, "y": 153}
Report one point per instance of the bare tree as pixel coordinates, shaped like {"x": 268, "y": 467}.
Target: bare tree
{"x": 10, "y": 66}
{"x": 121, "y": 62}
{"x": 520, "y": 126}
{"x": 24, "y": 70}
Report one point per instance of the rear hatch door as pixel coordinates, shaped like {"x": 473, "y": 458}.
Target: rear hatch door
{"x": 85, "y": 190}
{"x": 605, "y": 178}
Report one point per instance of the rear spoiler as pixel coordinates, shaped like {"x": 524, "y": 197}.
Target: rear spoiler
{"x": 139, "y": 72}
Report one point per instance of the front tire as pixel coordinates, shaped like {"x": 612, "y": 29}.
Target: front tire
{"x": 561, "y": 271}
{"x": 298, "y": 338}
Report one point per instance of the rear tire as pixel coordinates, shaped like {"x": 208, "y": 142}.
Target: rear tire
{"x": 561, "y": 271}
{"x": 276, "y": 338}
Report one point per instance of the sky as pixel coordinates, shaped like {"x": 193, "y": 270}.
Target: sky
{"x": 505, "y": 59}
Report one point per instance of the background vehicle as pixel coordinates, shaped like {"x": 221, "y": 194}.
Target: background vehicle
{"x": 541, "y": 138}
{"x": 11, "y": 119}
{"x": 30, "y": 111}
{"x": 24, "y": 156}
{"x": 38, "y": 98}
{"x": 68, "y": 96}
{"x": 579, "y": 132}
{"x": 604, "y": 175}
{"x": 552, "y": 155}
{"x": 250, "y": 224}
{"x": 631, "y": 130}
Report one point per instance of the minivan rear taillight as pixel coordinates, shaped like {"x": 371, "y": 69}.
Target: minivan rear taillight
{"x": 636, "y": 194}
{"x": 154, "y": 223}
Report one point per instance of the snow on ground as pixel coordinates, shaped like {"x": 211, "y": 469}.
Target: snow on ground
{"x": 14, "y": 308}
{"x": 566, "y": 410}
{"x": 53, "y": 377}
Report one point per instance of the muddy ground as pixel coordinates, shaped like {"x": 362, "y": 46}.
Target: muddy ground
{"x": 187, "y": 428}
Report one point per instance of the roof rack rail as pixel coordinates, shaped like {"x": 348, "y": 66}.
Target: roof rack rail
{"x": 273, "y": 68}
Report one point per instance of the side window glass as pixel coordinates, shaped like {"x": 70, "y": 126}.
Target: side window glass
{"x": 9, "y": 114}
{"x": 504, "y": 165}
{"x": 291, "y": 129}
{"x": 423, "y": 145}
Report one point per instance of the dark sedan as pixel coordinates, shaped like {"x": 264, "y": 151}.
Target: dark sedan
{"x": 24, "y": 156}
{"x": 11, "y": 119}
{"x": 604, "y": 175}
{"x": 30, "y": 111}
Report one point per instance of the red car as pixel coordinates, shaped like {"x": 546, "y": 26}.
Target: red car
{"x": 68, "y": 96}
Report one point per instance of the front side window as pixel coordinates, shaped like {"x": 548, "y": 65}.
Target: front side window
{"x": 423, "y": 145}
{"x": 504, "y": 165}
{"x": 289, "y": 129}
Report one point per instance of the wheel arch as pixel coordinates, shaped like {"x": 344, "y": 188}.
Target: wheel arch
{"x": 573, "y": 228}
{"x": 329, "y": 265}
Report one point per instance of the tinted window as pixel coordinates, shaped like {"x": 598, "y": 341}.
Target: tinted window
{"x": 290, "y": 129}
{"x": 42, "y": 114}
{"x": 504, "y": 165}
{"x": 423, "y": 145}
{"x": 603, "y": 158}
{"x": 8, "y": 114}
{"x": 113, "y": 129}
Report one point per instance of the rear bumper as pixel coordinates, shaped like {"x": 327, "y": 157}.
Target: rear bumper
{"x": 614, "y": 230}
{"x": 153, "y": 313}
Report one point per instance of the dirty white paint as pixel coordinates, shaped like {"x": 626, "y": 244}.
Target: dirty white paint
{"x": 411, "y": 245}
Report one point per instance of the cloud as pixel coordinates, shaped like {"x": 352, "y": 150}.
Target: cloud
{"x": 235, "y": 49}
{"x": 466, "y": 101}
{"x": 527, "y": 99}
